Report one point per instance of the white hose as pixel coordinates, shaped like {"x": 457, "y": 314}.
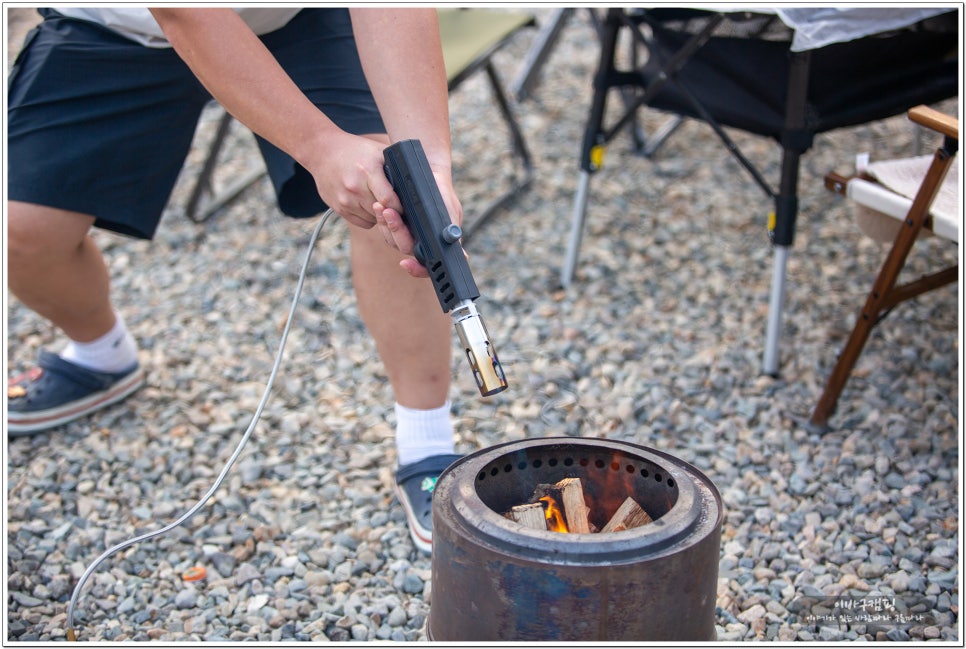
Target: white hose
{"x": 234, "y": 456}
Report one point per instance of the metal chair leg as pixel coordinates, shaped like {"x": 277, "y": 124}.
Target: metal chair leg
{"x": 576, "y": 230}
{"x": 776, "y": 301}
{"x": 203, "y": 202}
{"x": 523, "y": 176}
{"x": 537, "y": 55}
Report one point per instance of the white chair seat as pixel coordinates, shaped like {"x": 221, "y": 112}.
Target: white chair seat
{"x": 897, "y": 182}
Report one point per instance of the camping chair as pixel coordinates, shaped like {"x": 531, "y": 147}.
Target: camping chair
{"x": 470, "y": 38}
{"x": 905, "y": 190}
{"x": 741, "y": 70}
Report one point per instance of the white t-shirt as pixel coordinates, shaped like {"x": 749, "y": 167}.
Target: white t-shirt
{"x": 139, "y": 25}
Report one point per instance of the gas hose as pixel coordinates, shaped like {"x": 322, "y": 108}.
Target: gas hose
{"x": 71, "y": 634}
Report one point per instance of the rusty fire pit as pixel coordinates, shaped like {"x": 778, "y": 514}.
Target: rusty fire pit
{"x": 495, "y": 580}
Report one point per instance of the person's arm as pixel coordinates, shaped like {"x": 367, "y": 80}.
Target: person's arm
{"x": 244, "y": 77}
{"x": 402, "y": 57}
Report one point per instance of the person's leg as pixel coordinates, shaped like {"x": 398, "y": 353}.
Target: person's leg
{"x": 56, "y": 269}
{"x": 403, "y": 315}
{"x": 414, "y": 340}
{"x": 85, "y": 148}
{"x": 412, "y": 334}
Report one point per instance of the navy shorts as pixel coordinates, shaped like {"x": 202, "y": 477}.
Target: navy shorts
{"x": 99, "y": 124}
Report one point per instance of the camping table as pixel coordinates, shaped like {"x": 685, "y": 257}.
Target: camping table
{"x": 791, "y": 95}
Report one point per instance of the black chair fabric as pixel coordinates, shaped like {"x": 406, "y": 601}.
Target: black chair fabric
{"x": 742, "y": 80}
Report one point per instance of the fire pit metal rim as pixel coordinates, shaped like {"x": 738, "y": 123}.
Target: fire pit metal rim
{"x": 683, "y": 519}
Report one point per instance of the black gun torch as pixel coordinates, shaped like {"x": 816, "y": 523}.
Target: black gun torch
{"x": 438, "y": 248}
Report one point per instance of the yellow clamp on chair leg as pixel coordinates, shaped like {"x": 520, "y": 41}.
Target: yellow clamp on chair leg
{"x": 597, "y": 156}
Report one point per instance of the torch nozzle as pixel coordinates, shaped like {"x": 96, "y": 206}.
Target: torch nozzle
{"x": 480, "y": 352}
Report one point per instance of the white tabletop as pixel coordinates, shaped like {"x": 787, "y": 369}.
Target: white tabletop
{"x": 817, "y": 27}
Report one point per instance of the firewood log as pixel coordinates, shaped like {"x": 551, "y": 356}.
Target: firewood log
{"x": 628, "y": 516}
{"x": 530, "y": 515}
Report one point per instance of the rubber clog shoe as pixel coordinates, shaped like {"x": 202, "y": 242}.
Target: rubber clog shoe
{"x": 57, "y": 391}
{"x": 415, "y": 483}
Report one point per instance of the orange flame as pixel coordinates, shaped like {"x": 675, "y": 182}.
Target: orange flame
{"x": 555, "y": 519}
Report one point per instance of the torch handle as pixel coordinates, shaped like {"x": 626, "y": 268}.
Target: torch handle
{"x": 437, "y": 238}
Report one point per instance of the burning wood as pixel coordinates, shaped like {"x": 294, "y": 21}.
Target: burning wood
{"x": 575, "y": 509}
{"x": 561, "y": 507}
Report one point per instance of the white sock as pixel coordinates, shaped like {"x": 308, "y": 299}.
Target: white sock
{"x": 113, "y": 352}
{"x": 422, "y": 433}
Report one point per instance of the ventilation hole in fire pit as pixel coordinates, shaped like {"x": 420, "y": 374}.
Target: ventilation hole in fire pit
{"x": 509, "y": 481}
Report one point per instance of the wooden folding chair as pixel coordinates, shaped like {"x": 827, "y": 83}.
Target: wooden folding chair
{"x": 914, "y": 216}
{"x": 470, "y": 38}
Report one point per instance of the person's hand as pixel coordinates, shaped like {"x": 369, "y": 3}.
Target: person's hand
{"x": 352, "y": 180}
{"x": 397, "y": 235}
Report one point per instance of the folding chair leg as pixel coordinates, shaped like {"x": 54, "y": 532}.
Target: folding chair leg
{"x": 543, "y": 44}
{"x": 203, "y": 183}
{"x": 576, "y": 230}
{"x": 885, "y": 294}
{"x": 782, "y": 229}
{"x": 203, "y": 202}
{"x": 593, "y": 140}
{"x": 776, "y": 303}
{"x": 539, "y": 51}
{"x": 650, "y": 145}
{"x": 520, "y": 151}
{"x": 595, "y": 135}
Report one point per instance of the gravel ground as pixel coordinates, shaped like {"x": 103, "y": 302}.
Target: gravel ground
{"x": 658, "y": 342}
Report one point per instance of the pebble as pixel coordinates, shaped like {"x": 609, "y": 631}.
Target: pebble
{"x": 658, "y": 342}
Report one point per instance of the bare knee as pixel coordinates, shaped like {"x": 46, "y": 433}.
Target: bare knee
{"x": 36, "y": 229}
{"x": 37, "y": 235}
